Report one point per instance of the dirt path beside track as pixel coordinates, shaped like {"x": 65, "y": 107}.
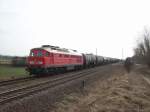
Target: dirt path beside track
{"x": 120, "y": 92}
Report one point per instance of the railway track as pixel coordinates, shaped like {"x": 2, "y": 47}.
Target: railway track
{"x": 14, "y": 94}
{"x": 18, "y": 80}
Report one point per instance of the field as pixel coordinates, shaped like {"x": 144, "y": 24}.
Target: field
{"x": 7, "y": 72}
{"x": 112, "y": 90}
{"x": 121, "y": 92}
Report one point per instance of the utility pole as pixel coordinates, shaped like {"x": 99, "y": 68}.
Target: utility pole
{"x": 96, "y": 51}
{"x": 96, "y": 55}
{"x": 122, "y": 54}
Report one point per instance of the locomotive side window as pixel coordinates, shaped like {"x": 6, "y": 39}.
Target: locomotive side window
{"x": 66, "y": 56}
{"x": 47, "y": 54}
{"x": 60, "y": 55}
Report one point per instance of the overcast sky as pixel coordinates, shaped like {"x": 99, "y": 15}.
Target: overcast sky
{"x": 84, "y": 25}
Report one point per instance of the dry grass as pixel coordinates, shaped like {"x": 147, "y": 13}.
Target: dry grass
{"x": 120, "y": 93}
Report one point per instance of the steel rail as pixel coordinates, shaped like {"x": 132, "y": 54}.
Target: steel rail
{"x": 14, "y": 94}
{"x": 18, "y": 80}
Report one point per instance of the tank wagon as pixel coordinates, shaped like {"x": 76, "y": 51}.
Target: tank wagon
{"x": 51, "y": 59}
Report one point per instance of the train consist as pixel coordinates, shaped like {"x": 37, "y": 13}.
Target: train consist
{"x": 51, "y": 59}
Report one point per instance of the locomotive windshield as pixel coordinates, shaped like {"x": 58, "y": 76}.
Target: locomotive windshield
{"x": 36, "y": 53}
{"x": 39, "y": 53}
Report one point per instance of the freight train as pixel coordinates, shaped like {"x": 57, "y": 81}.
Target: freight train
{"x": 52, "y": 59}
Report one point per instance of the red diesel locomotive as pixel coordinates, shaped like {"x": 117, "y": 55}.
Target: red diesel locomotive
{"x": 47, "y": 59}
{"x": 52, "y": 59}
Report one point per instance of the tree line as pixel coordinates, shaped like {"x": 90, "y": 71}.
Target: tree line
{"x": 142, "y": 49}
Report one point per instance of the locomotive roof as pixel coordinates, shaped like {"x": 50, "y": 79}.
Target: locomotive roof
{"x": 56, "y": 49}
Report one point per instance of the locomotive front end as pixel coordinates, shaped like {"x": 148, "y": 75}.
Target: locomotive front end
{"x": 36, "y": 61}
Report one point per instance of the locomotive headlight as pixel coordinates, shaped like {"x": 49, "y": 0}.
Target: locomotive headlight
{"x": 40, "y": 62}
{"x": 31, "y": 62}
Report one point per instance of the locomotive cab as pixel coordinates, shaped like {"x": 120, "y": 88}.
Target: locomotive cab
{"x": 38, "y": 58}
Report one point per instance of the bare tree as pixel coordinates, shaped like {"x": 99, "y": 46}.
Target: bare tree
{"x": 142, "y": 50}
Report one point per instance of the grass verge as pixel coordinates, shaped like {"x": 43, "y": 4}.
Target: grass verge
{"x": 11, "y": 72}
